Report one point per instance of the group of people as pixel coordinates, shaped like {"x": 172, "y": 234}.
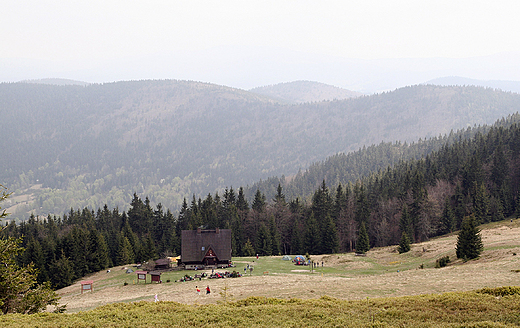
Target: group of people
{"x": 208, "y": 291}
{"x": 250, "y": 268}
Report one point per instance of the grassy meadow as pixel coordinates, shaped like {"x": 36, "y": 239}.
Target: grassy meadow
{"x": 382, "y": 289}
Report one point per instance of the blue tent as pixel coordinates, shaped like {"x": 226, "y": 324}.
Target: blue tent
{"x": 299, "y": 258}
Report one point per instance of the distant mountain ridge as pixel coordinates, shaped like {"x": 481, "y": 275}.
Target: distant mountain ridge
{"x": 513, "y": 86}
{"x": 167, "y": 139}
{"x": 56, "y": 81}
{"x": 305, "y": 91}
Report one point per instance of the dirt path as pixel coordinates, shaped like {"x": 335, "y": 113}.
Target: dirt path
{"x": 498, "y": 266}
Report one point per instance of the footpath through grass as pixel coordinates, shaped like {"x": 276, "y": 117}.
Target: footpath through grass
{"x": 485, "y": 308}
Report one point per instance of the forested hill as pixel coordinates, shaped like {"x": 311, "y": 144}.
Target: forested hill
{"x": 77, "y": 146}
{"x": 348, "y": 168}
{"x": 305, "y": 91}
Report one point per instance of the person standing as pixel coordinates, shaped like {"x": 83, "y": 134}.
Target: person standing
{"x": 198, "y": 290}
{"x": 208, "y": 291}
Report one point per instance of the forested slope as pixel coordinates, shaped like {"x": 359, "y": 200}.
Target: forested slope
{"x": 78, "y": 146}
{"x": 347, "y": 168}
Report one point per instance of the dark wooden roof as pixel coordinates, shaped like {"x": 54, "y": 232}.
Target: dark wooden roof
{"x": 196, "y": 243}
{"x": 162, "y": 263}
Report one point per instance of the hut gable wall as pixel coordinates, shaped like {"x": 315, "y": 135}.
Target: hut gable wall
{"x": 195, "y": 244}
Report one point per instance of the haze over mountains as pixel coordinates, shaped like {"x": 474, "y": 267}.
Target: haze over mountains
{"x": 249, "y": 67}
{"x": 98, "y": 144}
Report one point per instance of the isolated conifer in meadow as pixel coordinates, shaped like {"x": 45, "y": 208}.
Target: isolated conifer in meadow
{"x": 404, "y": 244}
{"x": 469, "y": 242}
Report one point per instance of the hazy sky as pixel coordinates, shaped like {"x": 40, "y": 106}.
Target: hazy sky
{"x": 82, "y": 34}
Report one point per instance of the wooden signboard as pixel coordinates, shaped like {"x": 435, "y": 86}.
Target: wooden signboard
{"x": 87, "y": 285}
{"x": 141, "y": 275}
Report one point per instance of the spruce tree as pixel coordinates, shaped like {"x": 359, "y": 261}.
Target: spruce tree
{"x": 259, "y": 202}
{"x": 62, "y": 272}
{"x": 275, "y": 237}
{"x": 329, "y": 236}
{"x": 311, "y": 238}
{"x": 362, "y": 244}
{"x": 242, "y": 204}
{"x": 447, "y": 223}
{"x": 263, "y": 241}
{"x": 125, "y": 255}
{"x": 469, "y": 242}
{"x": 248, "y": 249}
{"x": 405, "y": 222}
{"x": 404, "y": 244}
{"x": 481, "y": 204}
{"x": 296, "y": 238}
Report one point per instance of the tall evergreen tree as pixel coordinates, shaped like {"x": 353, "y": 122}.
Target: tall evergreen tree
{"x": 481, "y": 204}
{"x": 447, "y": 222}
{"x": 362, "y": 212}
{"x": 62, "y": 273}
{"x": 125, "y": 254}
{"x": 280, "y": 197}
{"x": 296, "y": 238}
{"x": 275, "y": 237}
{"x": 469, "y": 241}
{"x": 311, "y": 238}
{"x": 242, "y": 204}
{"x": 329, "y": 236}
{"x": 263, "y": 241}
{"x": 34, "y": 254}
{"x": 237, "y": 232}
{"x": 340, "y": 203}
{"x": 404, "y": 244}
{"x": 363, "y": 243}
{"x": 405, "y": 222}
{"x": 248, "y": 249}
{"x": 98, "y": 252}
{"x": 499, "y": 167}
{"x": 259, "y": 202}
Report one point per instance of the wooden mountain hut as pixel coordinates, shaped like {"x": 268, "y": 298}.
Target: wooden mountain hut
{"x": 206, "y": 248}
{"x": 162, "y": 264}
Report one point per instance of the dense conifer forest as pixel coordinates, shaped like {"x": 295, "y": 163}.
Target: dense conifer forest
{"x": 475, "y": 177}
